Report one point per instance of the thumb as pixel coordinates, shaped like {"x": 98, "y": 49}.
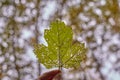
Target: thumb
{"x": 49, "y": 75}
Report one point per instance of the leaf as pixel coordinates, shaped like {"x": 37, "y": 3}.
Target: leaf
{"x": 60, "y": 51}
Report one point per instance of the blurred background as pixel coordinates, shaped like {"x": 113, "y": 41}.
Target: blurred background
{"x": 95, "y": 22}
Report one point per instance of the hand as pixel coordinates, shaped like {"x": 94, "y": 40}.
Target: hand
{"x": 51, "y": 75}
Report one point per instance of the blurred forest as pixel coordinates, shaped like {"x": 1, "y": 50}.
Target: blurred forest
{"x": 95, "y": 22}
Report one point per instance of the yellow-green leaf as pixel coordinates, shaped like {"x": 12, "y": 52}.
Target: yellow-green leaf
{"x": 60, "y": 51}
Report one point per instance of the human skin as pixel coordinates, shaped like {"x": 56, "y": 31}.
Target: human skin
{"x": 51, "y": 75}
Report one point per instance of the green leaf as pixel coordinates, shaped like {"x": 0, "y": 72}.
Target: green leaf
{"x": 60, "y": 51}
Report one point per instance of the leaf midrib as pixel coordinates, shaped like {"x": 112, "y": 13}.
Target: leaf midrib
{"x": 59, "y": 47}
